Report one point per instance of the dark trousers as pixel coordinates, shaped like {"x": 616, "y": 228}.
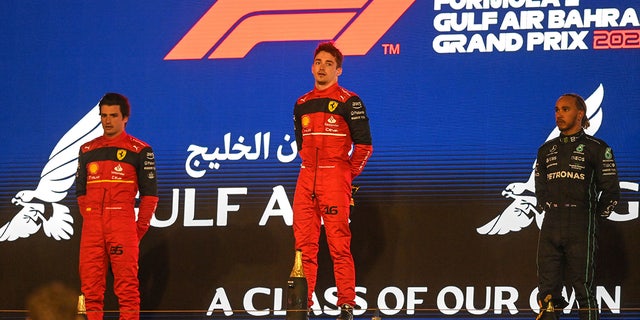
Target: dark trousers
{"x": 567, "y": 248}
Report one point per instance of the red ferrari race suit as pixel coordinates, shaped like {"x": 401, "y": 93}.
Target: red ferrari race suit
{"x": 327, "y": 123}
{"x": 110, "y": 173}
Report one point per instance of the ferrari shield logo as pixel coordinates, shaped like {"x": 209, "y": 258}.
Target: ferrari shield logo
{"x": 121, "y": 154}
{"x": 333, "y": 105}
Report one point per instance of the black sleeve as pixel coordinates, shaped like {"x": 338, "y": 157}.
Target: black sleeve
{"x": 606, "y": 181}
{"x": 540, "y": 181}
{"x": 297, "y": 127}
{"x": 147, "y": 176}
{"x": 356, "y": 117}
{"x": 81, "y": 176}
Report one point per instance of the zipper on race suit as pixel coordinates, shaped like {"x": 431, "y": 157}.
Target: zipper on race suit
{"x": 103, "y": 206}
{"x": 315, "y": 176}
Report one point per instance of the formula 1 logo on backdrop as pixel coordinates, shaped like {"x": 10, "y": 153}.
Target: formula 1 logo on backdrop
{"x": 39, "y": 208}
{"x": 522, "y": 210}
{"x": 231, "y": 28}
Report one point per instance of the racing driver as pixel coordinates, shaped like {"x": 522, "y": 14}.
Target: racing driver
{"x": 111, "y": 170}
{"x": 329, "y": 121}
{"x": 576, "y": 183}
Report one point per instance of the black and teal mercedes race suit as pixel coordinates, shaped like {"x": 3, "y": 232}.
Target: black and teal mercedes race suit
{"x": 576, "y": 184}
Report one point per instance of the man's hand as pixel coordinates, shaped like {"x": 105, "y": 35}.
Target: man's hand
{"x": 541, "y": 207}
{"x": 142, "y": 229}
{"x": 354, "y": 189}
{"x": 609, "y": 209}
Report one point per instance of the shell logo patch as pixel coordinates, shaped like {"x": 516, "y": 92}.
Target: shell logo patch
{"x": 93, "y": 168}
{"x": 121, "y": 154}
{"x": 306, "y": 120}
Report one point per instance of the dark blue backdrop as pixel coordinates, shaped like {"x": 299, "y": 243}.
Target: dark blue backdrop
{"x": 451, "y": 132}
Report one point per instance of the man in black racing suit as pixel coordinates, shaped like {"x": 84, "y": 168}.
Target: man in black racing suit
{"x": 571, "y": 171}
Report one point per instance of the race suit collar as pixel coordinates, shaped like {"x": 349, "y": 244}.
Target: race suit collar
{"x": 571, "y": 138}
{"x": 325, "y": 91}
{"x": 119, "y": 137}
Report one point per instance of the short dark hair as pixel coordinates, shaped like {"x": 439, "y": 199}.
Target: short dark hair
{"x": 331, "y": 49}
{"x": 116, "y": 99}
{"x": 581, "y": 105}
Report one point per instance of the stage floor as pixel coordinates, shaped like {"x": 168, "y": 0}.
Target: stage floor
{"x": 632, "y": 315}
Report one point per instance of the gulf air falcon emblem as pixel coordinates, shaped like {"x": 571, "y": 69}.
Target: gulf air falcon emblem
{"x": 40, "y": 208}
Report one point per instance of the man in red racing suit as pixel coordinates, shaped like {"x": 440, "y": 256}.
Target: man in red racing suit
{"x": 111, "y": 170}
{"x": 328, "y": 121}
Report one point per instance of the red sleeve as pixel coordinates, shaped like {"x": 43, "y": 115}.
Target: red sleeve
{"x": 145, "y": 212}
{"x": 359, "y": 158}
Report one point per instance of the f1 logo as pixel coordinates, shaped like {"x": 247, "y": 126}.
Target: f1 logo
{"x": 231, "y": 28}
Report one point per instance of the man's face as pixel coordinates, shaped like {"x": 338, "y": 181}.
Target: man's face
{"x": 112, "y": 120}
{"x": 325, "y": 70}
{"x": 568, "y": 117}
